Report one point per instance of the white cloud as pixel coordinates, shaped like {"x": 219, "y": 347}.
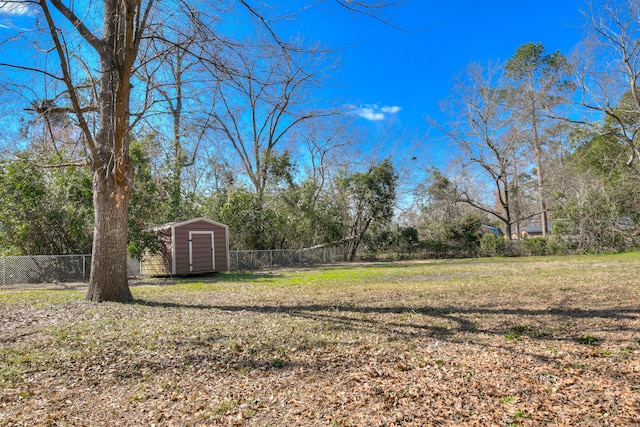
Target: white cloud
{"x": 15, "y": 9}
{"x": 391, "y": 110}
{"x": 369, "y": 114}
{"x": 373, "y": 112}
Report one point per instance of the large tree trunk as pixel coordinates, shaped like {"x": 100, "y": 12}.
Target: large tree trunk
{"x": 113, "y": 169}
{"x": 112, "y": 185}
{"x": 108, "y": 280}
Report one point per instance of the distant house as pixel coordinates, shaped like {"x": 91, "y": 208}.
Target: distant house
{"x": 534, "y": 228}
{"x": 626, "y": 224}
{"x": 196, "y": 246}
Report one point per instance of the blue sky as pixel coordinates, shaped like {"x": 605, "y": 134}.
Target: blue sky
{"x": 389, "y": 75}
{"x": 410, "y": 72}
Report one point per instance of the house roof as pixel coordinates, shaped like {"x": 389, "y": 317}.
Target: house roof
{"x": 535, "y": 226}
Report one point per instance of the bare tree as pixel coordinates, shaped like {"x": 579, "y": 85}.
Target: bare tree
{"x": 176, "y": 93}
{"x": 260, "y": 100}
{"x": 116, "y": 48}
{"x": 608, "y": 67}
{"x": 91, "y": 56}
{"x": 486, "y": 140}
{"x": 326, "y": 140}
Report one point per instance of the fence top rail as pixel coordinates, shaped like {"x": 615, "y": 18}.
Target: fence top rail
{"x": 44, "y": 256}
{"x": 279, "y": 250}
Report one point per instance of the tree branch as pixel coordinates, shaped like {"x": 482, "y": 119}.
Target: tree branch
{"x": 94, "y": 41}
{"x": 43, "y": 109}
{"x": 69, "y": 82}
{"x": 22, "y": 67}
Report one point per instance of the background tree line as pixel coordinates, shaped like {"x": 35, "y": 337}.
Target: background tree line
{"x": 200, "y": 120}
{"x": 547, "y": 138}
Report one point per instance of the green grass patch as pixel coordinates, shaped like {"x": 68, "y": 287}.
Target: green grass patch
{"x": 588, "y": 339}
{"x": 38, "y": 298}
{"x": 16, "y": 364}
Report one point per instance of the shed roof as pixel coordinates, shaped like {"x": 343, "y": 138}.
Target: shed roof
{"x": 190, "y": 221}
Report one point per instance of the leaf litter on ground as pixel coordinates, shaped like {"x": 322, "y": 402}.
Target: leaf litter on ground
{"x": 527, "y": 341}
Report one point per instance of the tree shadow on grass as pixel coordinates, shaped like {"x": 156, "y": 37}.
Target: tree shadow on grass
{"x": 460, "y": 319}
{"x": 223, "y": 350}
{"x": 210, "y": 278}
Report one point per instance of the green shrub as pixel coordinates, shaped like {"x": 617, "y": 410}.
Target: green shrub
{"x": 435, "y": 248}
{"x": 547, "y": 246}
{"x": 536, "y": 246}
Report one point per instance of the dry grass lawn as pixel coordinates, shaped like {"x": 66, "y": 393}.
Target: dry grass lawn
{"x": 482, "y": 342}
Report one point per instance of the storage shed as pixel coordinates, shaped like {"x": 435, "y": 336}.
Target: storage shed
{"x": 196, "y": 246}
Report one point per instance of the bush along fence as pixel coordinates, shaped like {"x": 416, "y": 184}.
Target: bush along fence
{"x": 16, "y": 270}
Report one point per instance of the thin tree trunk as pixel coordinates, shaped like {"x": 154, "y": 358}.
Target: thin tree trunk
{"x": 516, "y": 197}
{"x": 537, "y": 148}
{"x": 540, "y": 178}
{"x": 175, "y": 195}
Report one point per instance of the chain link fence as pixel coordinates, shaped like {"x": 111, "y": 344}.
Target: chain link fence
{"x": 258, "y": 260}
{"x": 32, "y": 269}
{"x": 16, "y": 270}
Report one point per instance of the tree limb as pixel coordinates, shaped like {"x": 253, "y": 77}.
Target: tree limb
{"x": 22, "y": 67}
{"x": 91, "y": 38}
{"x": 68, "y": 81}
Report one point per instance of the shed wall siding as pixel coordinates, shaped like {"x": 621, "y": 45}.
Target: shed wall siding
{"x": 182, "y": 246}
{"x": 159, "y": 264}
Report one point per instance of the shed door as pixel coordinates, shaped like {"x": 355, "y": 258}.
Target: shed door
{"x": 201, "y": 256}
